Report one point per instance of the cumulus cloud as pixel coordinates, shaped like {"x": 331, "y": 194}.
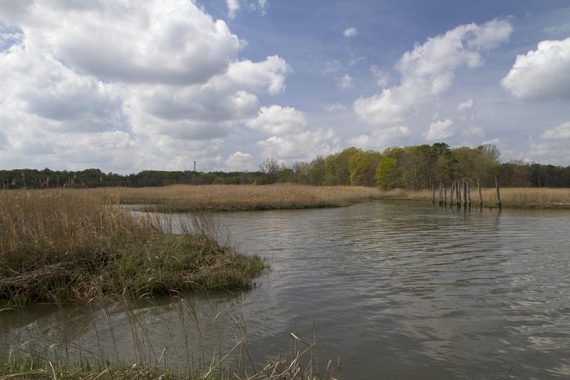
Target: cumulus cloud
{"x": 344, "y": 81}
{"x": 560, "y": 132}
{"x": 380, "y": 139}
{"x": 466, "y": 105}
{"x": 350, "y": 32}
{"x": 262, "y": 5}
{"x": 278, "y": 120}
{"x": 543, "y": 73}
{"x": 36, "y": 85}
{"x": 233, "y": 8}
{"x": 429, "y": 69}
{"x": 381, "y": 76}
{"x": 142, "y": 42}
{"x": 440, "y": 130}
{"x": 124, "y": 85}
{"x": 301, "y": 146}
{"x": 239, "y": 161}
{"x": 337, "y": 107}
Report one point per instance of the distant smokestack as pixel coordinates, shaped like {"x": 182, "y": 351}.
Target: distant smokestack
{"x": 194, "y": 165}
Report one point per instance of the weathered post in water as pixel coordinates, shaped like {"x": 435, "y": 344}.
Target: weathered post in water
{"x": 480, "y": 196}
{"x": 458, "y": 194}
{"x": 465, "y": 194}
{"x": 469, "y": 193}
{"x": 498, "y": 192}
{"x": 444, "y": 195}
{"x": 451, "y": 193}
{"x": 432, "y": 193}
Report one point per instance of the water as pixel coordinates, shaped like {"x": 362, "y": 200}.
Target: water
{"x": 394, "y": 289}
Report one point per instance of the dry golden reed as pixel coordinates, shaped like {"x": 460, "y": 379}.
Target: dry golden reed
{"x": 243, "y": 197}
{"x": 79, "y": 245}
{"x": 514, "y": 197}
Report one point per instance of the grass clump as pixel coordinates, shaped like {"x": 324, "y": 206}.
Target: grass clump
{"x": 61, "y": 246}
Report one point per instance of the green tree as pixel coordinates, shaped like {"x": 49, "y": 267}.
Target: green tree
{"x": 387, "y": 174}
{"x": 362, "y": 167}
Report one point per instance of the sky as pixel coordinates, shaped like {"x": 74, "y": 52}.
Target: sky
{"x": 128, "y": 85}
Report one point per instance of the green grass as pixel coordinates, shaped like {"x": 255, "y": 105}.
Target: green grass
{"x": 71, "y": 246}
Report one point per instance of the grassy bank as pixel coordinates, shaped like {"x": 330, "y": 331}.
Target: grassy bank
{"x": 180, "y": 198}
{"x": 512, "y": 197}
{"x": 60, "y": 246}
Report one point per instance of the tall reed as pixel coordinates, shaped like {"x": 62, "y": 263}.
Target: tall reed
{"x": 242, "y": 197}
{"x": 511, "y": 197}
{"x": 75, "y": 245}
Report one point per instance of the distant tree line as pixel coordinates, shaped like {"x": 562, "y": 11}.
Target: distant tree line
{"x": 418, "y": 167}
{"x": 412, "y": 167}
{"x": 41, "y": 179}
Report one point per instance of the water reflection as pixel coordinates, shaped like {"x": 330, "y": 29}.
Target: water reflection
{"x": 395, "y": 289}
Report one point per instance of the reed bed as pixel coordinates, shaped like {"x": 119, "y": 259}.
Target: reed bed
{"x": 61, "y": 246}
{"x": 511, "y": 197}
{"x": 53, "y": 358}
{"x": 181, "y": 198}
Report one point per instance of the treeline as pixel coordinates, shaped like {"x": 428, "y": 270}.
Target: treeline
{"x": 412, "y": 167}
{"x": 42, "y": 179}
{"x": 419, "y": 167}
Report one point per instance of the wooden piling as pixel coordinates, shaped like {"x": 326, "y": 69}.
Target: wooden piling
{"x": 465, "y": 194}
{"x": 432, "y": 193}
{"x": 444, "y": 195}
{"x": 480, "y": 196}
{"x": 451, "y": 193}
{"x": 498, "y": 192}
{"x": 458, "y": 194}
{"x": 469, "y": 194}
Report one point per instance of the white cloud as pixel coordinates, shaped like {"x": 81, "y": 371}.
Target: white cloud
{"x": 440, "y": 130}
{"x": 350, "y": 32}
{"x": 381, "y": 76}
{"x": 474, "y": 132}
{"x": 301, "y": 146}
{"x": 428, "y": 70}
{"x": 541, "y": 73}
{"x": 262, "y": 5}
{"x": 152, "y": 41}
{"x": 344, "y": 81}
{"x": 337, "y": 107}
{"x": 37, "y": 86}
{"x": 123, "y": 85}
{"x": 239, "y": 161}
{"x": 466, "y": 105}
{"x": 551, "y": 151}
{"x": 278, "y": 120}
{"x": 380, "y": 139}
{"x": 560, "y": 132}
{"x": 233, "y": 8}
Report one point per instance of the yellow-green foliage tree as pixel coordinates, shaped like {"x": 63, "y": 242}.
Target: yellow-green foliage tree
{"x": 337, "y": 171}
{"x": 387, "y": 174}
{"x": 362, "y": 167}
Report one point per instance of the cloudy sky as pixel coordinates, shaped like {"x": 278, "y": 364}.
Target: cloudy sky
{"x": 127, "y": 85}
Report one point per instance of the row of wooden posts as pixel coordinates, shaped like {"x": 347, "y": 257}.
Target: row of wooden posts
{"x": 460, "y": 194}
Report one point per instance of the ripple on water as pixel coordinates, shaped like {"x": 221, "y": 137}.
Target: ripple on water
{"x": 401, "y": 290}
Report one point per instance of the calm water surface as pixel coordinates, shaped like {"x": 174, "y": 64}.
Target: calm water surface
{"x": 394, "y": 289}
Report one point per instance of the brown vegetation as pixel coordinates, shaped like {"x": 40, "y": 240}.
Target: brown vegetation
{"x": 77, "y": 245}
{"x": 514, "y": 197}
{"x": 242, "y": 197}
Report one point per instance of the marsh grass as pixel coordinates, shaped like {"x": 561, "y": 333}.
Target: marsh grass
{"x": 511, "y": 197}
{"x": 37, "y": 357}
{"x": 183, "y": 198}
{"x": 60, "y": 246}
